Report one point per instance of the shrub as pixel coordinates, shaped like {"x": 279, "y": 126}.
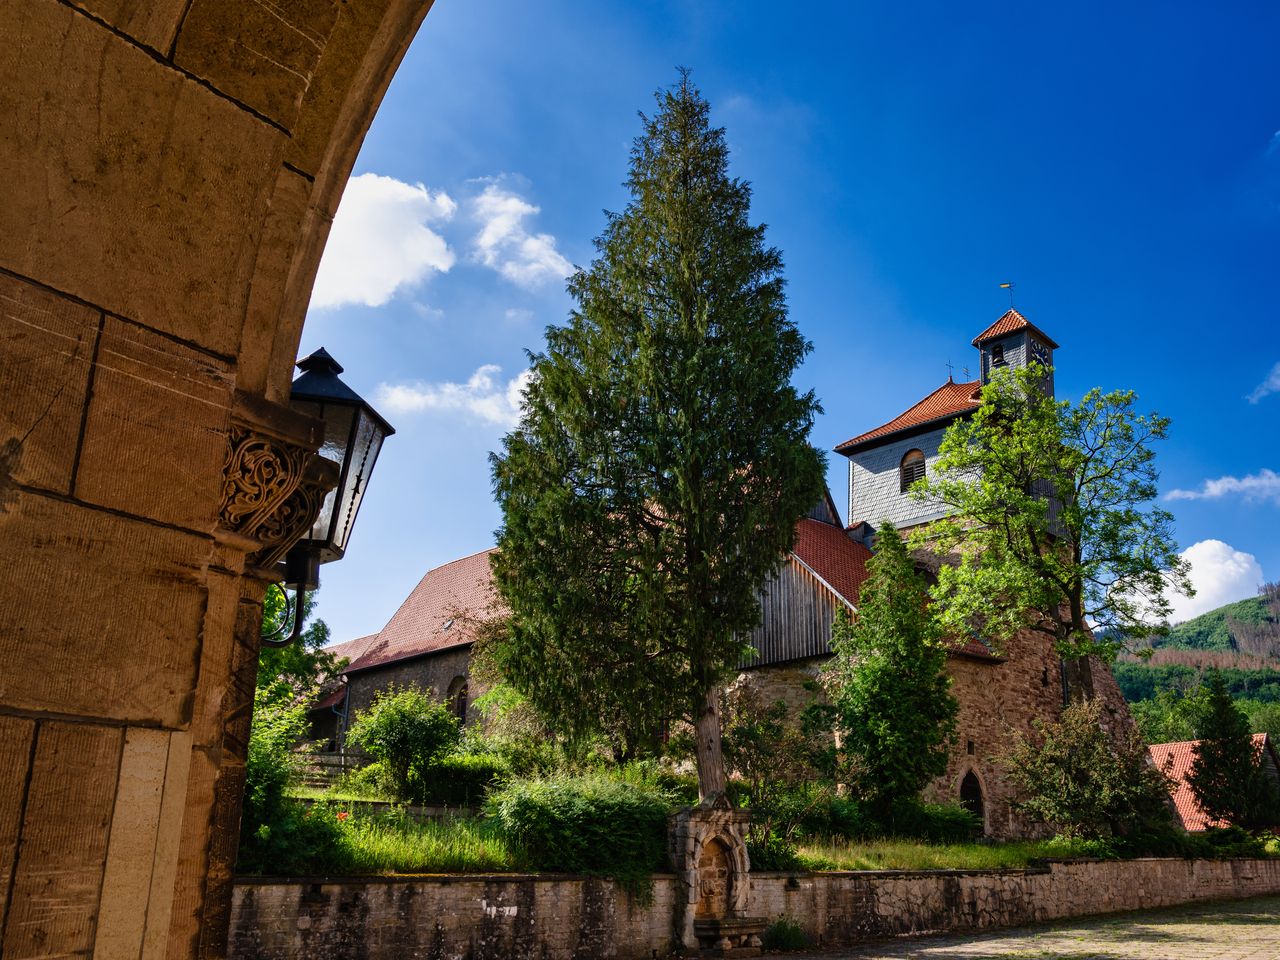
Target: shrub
{"x": 935, "y": 822}
{"x": 785, "y": 934}
{"x": 278, "y": 833}
{"x": 1084, "y": 781}
{"x": 589, "y": 824}
{"x": 408, "y": 732}
{"x": 459, "y": 779}
{"x": 772, "y": 852}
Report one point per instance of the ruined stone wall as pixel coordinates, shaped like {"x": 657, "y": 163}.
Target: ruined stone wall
{"x": 565, "y": 918}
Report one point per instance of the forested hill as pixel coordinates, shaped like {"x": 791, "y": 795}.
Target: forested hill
{"x": 1249, "y": 626}
{"x": 1242, "y": 640}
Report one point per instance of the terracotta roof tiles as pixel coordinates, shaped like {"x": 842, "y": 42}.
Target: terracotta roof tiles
{"x": 949, "y": 400}
{"x": 1175, "y": 760}
{"x": 830, "y": 553}
{"x": 434, "y": 616}
{"x": 1010, "y": 322}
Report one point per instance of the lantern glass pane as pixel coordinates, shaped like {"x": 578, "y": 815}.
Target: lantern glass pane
{"x": 365, "y": 446}
{"x": 337, "y": 419}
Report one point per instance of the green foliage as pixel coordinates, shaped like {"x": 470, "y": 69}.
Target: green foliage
{"x": 891, "y": 704}
{"x": 277, "y": 833}
{"x": 900, "y": 854}
{"x": 396, "y": 843}
{"x": 297, "y": 671}
{"x": 769, "y": 851}
{"x": 1263, "y": 717}
{"x": 771, "y": 756}
{"x": 1226, "y": 775}
{"x": 1085, "y": 782}
{"x": 592, "y": 824}
{"x": 1170, "y": 717}
{"x": 662, "y": 459}
{"x": 786, "y": 934}
{"x": 1051, "y": 508}
{"x": 460, "y": 779}
{"x": 1145, "y": 681}
{"x": 408, "y": 732}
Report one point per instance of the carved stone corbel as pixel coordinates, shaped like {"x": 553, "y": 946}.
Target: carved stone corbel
{"x": 274, "y": 482}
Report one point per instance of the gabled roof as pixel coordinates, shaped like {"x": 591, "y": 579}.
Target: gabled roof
{"x": 438, "y": 614}
{"x": 352, "y": 649}
{"x": 1011, "y": 322}
{"x": 1179, "y": 757}
{"x": 831, "y": 554}
{"x": 947, "y": 402}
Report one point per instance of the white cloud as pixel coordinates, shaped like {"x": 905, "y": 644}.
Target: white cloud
{"x": 1220, "y": 573}
{"x": 1268, "y": 386}
{"x": 505, "y": 244}
{"x": 483, "y": 397}
{"x": 380, "y": 242}
{"x": 1261, "y": 486}
{"x": 518, "y": 315}
{"x": 427, "y": 312}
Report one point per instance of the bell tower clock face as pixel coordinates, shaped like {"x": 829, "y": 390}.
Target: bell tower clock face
{"x": 1039, "y": 353}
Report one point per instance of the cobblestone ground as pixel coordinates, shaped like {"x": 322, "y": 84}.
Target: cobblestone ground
{"x": 1238, "y": 930}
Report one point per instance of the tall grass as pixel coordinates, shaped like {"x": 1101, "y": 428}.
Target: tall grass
{"x": 916, "y": 855}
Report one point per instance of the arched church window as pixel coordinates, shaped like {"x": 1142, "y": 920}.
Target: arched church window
{"x": 458, "y": 698}
{"x": 971, "y": 795}
{"x": 911, "y": 470}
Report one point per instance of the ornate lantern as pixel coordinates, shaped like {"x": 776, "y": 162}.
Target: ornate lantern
{"x": 353, "y": 435}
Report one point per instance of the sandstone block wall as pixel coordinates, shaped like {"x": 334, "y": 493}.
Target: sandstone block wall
{"x": 506, "y": 917}
{"x": 171, "y": 168}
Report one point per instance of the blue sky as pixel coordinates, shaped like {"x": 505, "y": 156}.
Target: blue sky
{"x": 1119, "y": 163}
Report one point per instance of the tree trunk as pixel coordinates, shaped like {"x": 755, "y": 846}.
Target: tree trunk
{"x": 710, "y": 758}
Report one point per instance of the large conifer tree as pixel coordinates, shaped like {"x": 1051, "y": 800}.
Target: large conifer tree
{"x": 662, "y": 460}
{"x": 1226, "y": 772}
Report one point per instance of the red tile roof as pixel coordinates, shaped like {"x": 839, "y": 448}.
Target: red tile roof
{"x": 352, "y": 649}
{"x": 330, "y": 699}
{"x": 1010, "y": 322}
{"x": 435, "y": 615}
{"x": 1178, "y": 757}
{"x": 832, "y": 555}
{"x": 948, "y": 400}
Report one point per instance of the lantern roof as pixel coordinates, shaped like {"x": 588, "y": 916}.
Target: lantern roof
{"x": 320, "y": 383}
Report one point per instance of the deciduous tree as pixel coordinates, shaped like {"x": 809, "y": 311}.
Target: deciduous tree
{"x": 662, "y": 459}
{"x": 1050, "y": 512}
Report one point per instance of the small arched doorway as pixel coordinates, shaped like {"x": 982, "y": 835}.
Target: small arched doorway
{"x": 971, "y": 797}
{"x": 457, "y": 698}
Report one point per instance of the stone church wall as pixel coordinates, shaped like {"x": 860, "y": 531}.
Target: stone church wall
{"x": 434, "y": 672}
{"x": 998, "y": 699}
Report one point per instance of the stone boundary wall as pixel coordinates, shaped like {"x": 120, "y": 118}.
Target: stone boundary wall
{"x": 559, "y": 917}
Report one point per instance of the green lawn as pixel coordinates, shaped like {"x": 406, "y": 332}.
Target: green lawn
{"x": 917, "y": 855}
{"x": 391, "y": 843}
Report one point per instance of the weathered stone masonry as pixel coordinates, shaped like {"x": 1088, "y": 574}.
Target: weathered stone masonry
{"x": 551, "y": 917}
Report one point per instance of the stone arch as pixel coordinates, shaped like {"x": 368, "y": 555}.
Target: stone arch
{"x": 182, "y": 161}
{"x": 458, "y": 697}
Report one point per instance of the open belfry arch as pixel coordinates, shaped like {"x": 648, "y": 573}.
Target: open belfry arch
{"x": 170, "y": 169}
